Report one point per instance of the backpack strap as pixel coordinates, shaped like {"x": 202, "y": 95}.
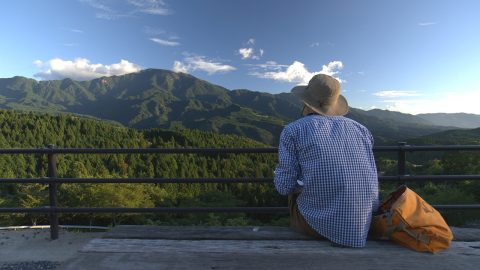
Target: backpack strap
{"x": 401, "y": 226}
{"x": 417, "y": 235}
{"x": 390, "y": 227}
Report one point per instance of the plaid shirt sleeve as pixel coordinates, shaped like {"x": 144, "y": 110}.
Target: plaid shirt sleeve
{"x": 287, "y": 171}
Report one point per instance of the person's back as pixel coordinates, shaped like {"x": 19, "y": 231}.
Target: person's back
{"x": 340, "y": 186}
{"x": 332, "y": 157}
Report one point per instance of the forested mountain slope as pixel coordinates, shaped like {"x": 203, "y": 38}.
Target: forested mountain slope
{"x": 155, "y": 98}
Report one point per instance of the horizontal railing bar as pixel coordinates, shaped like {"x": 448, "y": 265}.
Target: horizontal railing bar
{"x": 146, "y": 210}
{"x": 61, "y": 226}
{"x": 46, "y": 180}
{"x": 176, "y": 210}
{"x": 456, "y": 206}
{"x": 410, "y": 148}
{"x": 426, "y": 178}
{"x": 139, "y": 151}
{"x": 441, "y": 147}
{"x": 216, "y": 150}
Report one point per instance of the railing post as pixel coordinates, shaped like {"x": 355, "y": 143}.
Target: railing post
{"x": 402, "y": 157}
{"x": 52, "y": 190}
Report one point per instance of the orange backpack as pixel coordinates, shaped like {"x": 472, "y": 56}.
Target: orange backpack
{"x": 408, "y": 220}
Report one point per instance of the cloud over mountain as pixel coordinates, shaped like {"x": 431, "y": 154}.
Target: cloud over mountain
{"x": 81, "y": 69}
{"x": 195, "y": 62}
{"x": 396, "y": 93}
{"x": 296, "y": 72}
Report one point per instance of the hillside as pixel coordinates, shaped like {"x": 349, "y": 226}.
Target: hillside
{"x": 34, "y": 130}
{"x": 461, "y": 120}
{"x": 398, "y": 117}
{"x": 458, "y": 137}
{"x": 391, "y": 127}
{"x": 156, "y": 98}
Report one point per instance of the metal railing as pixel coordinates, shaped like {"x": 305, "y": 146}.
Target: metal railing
{"x": 52, "y": 180}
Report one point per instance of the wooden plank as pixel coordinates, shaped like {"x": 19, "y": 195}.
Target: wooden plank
{"x": 382, "y": 259}
{"x": 204, "y": 233}
{"x": 235, "y": 233}
{"x": 466, "y": 234}
{"x": 373, "y": 248}
{"x": 200, "y": 247}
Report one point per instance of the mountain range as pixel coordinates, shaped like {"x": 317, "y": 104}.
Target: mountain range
{"x": 155, "y": 98}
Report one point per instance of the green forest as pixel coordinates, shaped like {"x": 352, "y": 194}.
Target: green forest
{"x": 36, "y": 130}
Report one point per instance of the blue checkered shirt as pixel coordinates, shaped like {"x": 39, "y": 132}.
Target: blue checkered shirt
{"x": 333, "y": 157}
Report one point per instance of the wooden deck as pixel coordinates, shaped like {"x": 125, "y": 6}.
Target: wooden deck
{"x": 157, "y": 247}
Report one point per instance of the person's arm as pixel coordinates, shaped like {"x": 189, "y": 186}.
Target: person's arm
{"x": 370, "y": 136}
{"x": 288, "y": 169}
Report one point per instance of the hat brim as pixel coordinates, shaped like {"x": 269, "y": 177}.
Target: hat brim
{"x": 299, "y": 91}
{"x": 340, "y": 108}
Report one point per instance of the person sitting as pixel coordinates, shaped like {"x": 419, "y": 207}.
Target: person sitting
{"x": 326, "y": 166}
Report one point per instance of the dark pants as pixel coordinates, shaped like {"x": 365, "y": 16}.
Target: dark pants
{"x": 297, "y": 221}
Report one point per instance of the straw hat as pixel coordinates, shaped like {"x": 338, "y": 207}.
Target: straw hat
{"x": 322, "y": 95}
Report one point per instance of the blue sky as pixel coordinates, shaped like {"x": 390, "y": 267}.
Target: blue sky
{"x": 412, "y": 56}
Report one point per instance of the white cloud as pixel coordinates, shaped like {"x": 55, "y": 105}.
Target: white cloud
{"x": 77, "y": 31}
{"x": 180, "y": 67}
{"x": 104, "y": 11}
{"x": 154, "y": 7}
{"x": 296, "y": 72}
{"x": 193, "y": 63}
{"x": 396, "y": 93}
{"x": 38, "y": 63}
{"x": 81, "y": 69}
{"x": 144, "y": 3}
{"x": 158, "y": 36}
{"x": 332, "y": 68}
{"x": 249, "y": 52}
{"x": 452, "y": 102}
{"x": 165, "y": 42}
{"x": 269, "y": 65}
{"x": 426, "y": 23}
{"x": 315, "y": 44}
{"x": 246, "y": 52}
